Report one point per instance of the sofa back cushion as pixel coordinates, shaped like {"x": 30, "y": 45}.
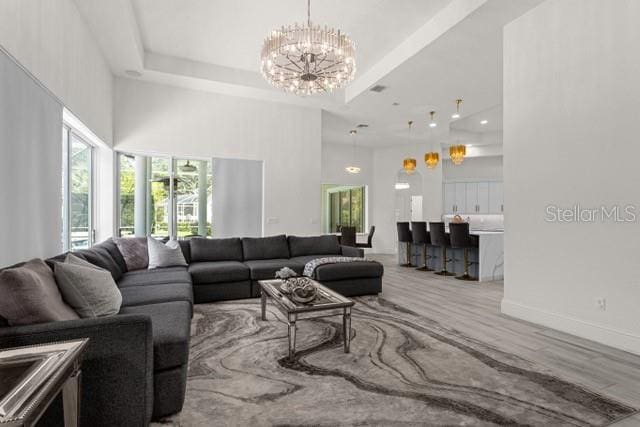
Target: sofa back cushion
{"x": 186, "y": 250}
{"x": 272, "y": 247}
{"x": 29, "y": 295}
{"x": 105, "y": 255}
{"x": 215, "y": 249}
{"x": 314, "y": 245}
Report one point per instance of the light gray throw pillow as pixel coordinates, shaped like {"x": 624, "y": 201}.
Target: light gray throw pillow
{"x": 165, "y": 255}
{"x": 89, "y": 289}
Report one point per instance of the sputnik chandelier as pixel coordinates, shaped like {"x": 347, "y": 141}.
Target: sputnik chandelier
{"x": 306, "y": 59}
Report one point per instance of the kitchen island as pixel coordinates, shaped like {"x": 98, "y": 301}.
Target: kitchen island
{"x": 489, "y": 256}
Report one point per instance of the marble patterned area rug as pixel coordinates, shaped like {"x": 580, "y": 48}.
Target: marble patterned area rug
{"x": 403, "y": 369}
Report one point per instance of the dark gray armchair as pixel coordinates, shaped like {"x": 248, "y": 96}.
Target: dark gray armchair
{"x": 117, "y": 368}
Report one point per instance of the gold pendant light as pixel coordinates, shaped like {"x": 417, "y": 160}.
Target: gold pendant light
{"x": 432, "y": 158}
{"x": 409, "y": 164}
{"x": 457, "y": 153}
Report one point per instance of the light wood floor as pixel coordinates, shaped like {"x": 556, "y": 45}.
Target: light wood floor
{"x": 474, "y": 309}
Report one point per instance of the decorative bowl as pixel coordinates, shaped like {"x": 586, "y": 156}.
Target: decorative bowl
{"x": 301, "y": 289}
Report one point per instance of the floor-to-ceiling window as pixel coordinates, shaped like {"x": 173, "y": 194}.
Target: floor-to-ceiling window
{"x": 343, "y": 205}
{"x": 78, "y": 188}
{"x": 164, "y": 196}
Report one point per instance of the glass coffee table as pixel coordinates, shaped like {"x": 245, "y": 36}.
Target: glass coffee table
{"x": 326, "y": 303}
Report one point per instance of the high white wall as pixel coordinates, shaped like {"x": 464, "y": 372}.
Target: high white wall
{"x": 387, "y": 162}
{"x": 336, "y": 157}
{"x": 183, "y": 122}
{"x": 571, "y": 103}
{"x": 473, "y": 168}
{"x": 30, "y": 167}
{"x": 51, "y": 40}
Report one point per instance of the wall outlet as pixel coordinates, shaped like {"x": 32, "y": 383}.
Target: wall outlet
{"x": 601, "y": 303}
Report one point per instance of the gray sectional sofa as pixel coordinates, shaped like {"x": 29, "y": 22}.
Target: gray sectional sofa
{"x": 135, "y": 367}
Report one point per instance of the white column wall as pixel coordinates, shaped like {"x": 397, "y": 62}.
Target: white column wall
{"x": 571, "y": 103}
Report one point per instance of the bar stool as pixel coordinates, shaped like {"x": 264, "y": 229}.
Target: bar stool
{"x": 440, "y": 238}
{"x": 461, "y": 239}
{"x": 404, "y": 236}
{"x": 420, "y": 236}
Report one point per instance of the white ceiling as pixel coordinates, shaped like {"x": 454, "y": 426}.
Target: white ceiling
{"x": 428, "y": 53}
{"x": 230, "y": 33}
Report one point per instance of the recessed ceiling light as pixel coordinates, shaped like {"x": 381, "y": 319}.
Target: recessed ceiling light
{"x": 433, "y": 124}
{"x": 484, "y": 122}
{"x": 455, "y": 116}
{"x": 133, "y": 73}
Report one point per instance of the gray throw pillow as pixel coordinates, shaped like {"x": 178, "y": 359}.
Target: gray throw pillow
{"x": 29, "y": 295}
{"x": 134, "y": 251}
{"x": 89, "y": 289}
{"x": 165, "y": 255}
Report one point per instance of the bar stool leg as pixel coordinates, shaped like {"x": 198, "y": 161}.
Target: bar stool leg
{"x": 424, "y": 267}
{"x": 444, "y": 271}
{"x": 466, "y": 276}
{"x": 408, "y": 263}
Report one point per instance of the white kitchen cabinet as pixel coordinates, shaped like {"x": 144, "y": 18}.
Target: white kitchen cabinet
{"x": 449, "y": 195}
{"x": 496, "y": 198}
{"x": 466, "y": 198}
{"x": 483, "y": 198}
{"x": 461, "y": 198}
{"x": 471, "y": 189}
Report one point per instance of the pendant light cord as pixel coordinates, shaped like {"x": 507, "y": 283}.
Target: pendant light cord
{"x": 309, "y": 13}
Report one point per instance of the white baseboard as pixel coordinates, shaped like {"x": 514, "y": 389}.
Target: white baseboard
{"x": 601, "y": 334}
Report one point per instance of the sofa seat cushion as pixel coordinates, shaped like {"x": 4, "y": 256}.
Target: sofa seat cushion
{"x": 349, "y": 270}
{"x": 170, "y": 324}
{"x": 155, "y": 277}
{"x": 155, "y": 294}
{"x": 313, "y": 245}
{"x": 306, "y": 258}
{"x": 264, "y": 269}
{"x": 218, "y": 272}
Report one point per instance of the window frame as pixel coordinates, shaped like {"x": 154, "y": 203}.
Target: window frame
{"x": 338, "y": 189}
{"x": 72, "y": 132}
{"x": 172, "y": 212}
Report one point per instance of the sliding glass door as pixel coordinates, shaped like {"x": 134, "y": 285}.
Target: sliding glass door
{"x": 164, "y": 197}
{"x": 193, "y": 198}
